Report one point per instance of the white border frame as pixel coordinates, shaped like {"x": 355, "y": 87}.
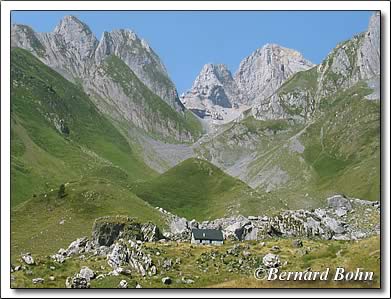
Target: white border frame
{"x": 7, "y": 6}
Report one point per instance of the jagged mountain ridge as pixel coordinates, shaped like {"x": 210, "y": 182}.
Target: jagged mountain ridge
{"x": 259, "y": 75}
{"x": 73, "y": 51}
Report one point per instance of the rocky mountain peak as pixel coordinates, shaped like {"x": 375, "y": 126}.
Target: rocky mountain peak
{"x": 75, "y": 40}
{"x": 263, "y": 72}
{"x": 213, "y": 74}
{"x": 141, "y": 59}
{"x": 71, "y": 27}
{"x": 213, "y": 94}
{"x": 73, "y": 50}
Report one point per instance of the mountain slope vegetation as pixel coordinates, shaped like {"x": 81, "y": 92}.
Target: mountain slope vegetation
{"x": 58, "y": 134}
{"x": 58, "y": 137}
{"x": 197, "y": 189}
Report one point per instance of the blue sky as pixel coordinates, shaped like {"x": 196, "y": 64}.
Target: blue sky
{"x": 185, "y": 41}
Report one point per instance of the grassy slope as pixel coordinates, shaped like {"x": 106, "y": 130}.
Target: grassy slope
{"x": 197, "y": 189}
{"x": 343, "y": 145}
{"x": 43, "y": 156}
{"x": 341, "y": 149}
{"x": 225, "y": 272}
{"x": 94, "y": 159}
{"x": 35, "y": 223}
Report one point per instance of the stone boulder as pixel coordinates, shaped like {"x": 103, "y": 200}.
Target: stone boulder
{"x": 77, "y": 282}
{"x": 28, "y": 259}
{"x": 339, "y": 201}
{"x": 271, "y": 260}
{"x": 123, "y": 284}
{"x": 76, "y": 247}
{"x": 108, "y": 229}
{"x": 239, "y": 229}
{"x": 38, "y": 280}
{"x": 179, "y": 226}
{"x": 250, "y": 232}
{"x": 87, "y": 273}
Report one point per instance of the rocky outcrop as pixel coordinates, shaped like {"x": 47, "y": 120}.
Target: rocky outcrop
{"x": 151, "y": 232}
{"x": 327, "y": 223}
{"x": 108, "y": 229}
{"x": 339, "y": 201}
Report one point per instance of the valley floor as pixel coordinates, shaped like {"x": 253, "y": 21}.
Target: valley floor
{"x": 231, "y": 265}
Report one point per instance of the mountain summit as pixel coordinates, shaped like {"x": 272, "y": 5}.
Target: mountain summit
{"x": 73, "y": 50}
{"x": 263, "y": 72}
{"x": 213, "y": 93}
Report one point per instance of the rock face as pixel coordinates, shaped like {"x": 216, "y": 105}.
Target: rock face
{"x": 121, "y": 73}
{"x": 142, "y": 60}
{"x": 108, "y": 229}
{"x": 151, "y": 232}
{"x": 351, "y": 61}
{"x": 214, "y": 94}
{"x": 369, "y": 53}
{"x": 72, "y": 49}
{"x": 263, "y": 72}
{"x": 69, "y": 49}
{"x": 325, "y": 224}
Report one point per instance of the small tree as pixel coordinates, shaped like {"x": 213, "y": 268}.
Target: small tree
{"x": 61, "y": 191}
